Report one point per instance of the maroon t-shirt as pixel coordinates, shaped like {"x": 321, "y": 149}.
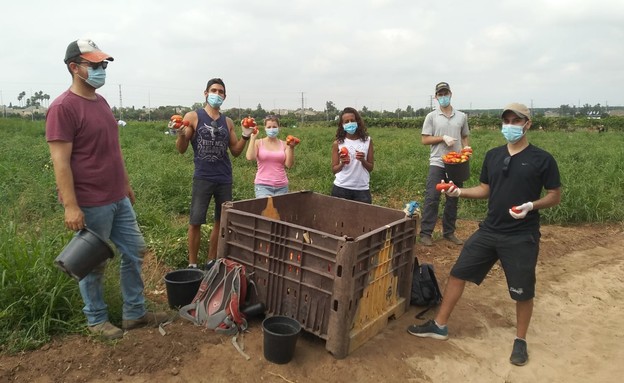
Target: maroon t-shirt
{"x": 96, "y": 160}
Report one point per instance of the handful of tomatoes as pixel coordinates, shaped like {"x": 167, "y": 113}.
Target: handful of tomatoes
{"x": 176, "y": 122}
{"x": 457, "y": 158}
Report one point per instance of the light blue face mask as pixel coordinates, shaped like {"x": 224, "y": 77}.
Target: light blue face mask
{"x": 444, "y": 101}
{"x": 271, "y": 132}
{"x": 350, "y": 127}
{"x": 214, "y": 100}
{"x": 512, "y": 133}
{"x": 96, "y": 77}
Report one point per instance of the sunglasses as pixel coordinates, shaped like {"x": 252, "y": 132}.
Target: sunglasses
{"x": 103, "y": 64}
{"x": 506, "y": 162}
{"x": 214, "y": 124}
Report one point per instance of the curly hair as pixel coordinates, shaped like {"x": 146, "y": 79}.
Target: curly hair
{"x": 361, "y": 131}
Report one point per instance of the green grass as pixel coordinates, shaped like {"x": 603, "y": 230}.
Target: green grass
{"x": 38, "y": 301}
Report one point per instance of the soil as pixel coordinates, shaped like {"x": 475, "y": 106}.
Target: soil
{"x": 575, "y": 334}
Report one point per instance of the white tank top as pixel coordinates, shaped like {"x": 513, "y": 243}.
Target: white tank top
{"x": 354, "y": 176}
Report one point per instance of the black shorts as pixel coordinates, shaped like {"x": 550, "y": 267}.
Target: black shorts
{"x": 353, "y": 195}
{"x": 200, "y": 200}
{"x": 516, "y": 252}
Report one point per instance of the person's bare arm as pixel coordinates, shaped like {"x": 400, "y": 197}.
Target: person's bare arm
{"x": 60, "y": 152}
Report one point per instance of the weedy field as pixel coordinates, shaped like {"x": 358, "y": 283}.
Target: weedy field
{"x": 37, "y": 301}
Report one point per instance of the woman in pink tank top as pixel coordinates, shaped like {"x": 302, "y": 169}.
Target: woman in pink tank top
{"x": 273, "y": 157}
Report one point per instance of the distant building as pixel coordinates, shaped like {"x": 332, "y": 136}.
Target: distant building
{"x": 594, "y": 115}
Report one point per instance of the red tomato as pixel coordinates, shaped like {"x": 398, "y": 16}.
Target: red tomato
{"x": 442, "y": 186}
{"x": 291, "y": 138}
{"x": 516, "y": 210}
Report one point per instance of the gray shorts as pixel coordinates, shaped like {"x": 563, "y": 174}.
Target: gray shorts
{"x": 517, "y": 254}
{"x": 203, "y": 191}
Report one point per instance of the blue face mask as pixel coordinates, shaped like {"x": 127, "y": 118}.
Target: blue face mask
{"x": 350, "y": 127}
{"x": 97, "y": 77}
{"x": 271, "y": 132}
{"x": 444, "y": 101}
{"x": 214, "y": 100}
{"x": 512, "y": 133}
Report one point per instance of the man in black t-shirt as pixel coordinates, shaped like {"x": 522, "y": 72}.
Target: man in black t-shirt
{"x": 512, "y": 179}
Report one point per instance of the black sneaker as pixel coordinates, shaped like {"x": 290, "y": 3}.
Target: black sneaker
{"x": 208, "y": 265}
{"x": 519, "y": 355}
{"x": 429, "y": 329}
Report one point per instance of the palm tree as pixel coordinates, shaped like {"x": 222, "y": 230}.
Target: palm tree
{"x": 20, "y": 97}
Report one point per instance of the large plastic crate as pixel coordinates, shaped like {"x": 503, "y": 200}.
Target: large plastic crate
{"x": 341, "y": 268}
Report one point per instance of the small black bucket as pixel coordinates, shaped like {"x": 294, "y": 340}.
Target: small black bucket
{"x": 458, "y": 172}
{"x": 280, "y": 338}
{"x": 83, "y": 253}
{"x": 182, "y": 286}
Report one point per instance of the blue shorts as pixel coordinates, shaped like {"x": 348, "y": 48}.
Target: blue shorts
{"x": 203, "y": 191}
{"x": 517, "y": 254}
{"x": 266, "y": 190}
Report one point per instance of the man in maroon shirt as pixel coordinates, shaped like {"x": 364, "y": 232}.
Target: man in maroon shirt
{"x": 93, "y": 186}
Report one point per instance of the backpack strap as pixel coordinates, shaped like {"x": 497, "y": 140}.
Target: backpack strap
{"x": 194, "y": 311}
{"x": 234, "y": 320}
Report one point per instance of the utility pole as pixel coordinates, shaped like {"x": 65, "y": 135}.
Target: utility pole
{"x": 120, "y": 104}
{"x": 3, "y": 106}
{"x": 149, "y": 107}
{"x": 302, "y": 111}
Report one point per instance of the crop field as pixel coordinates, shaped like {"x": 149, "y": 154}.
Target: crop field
{"x": 37, "y": 301}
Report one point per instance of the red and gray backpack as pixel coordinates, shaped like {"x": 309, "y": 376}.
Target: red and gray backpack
{"x": 217, "y": 302}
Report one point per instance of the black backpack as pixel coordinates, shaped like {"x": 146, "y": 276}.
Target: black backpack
{"x": 425, "y": 288}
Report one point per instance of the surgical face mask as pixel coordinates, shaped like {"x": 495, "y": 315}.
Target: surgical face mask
{"x": 512, "y": 133}
{"x": 350, "y": 127}
{"x": 96, "y": 77}
{"x": 214, "y": 100}
{"x": 444, "y": 101}
{"x": 271, "y": 132}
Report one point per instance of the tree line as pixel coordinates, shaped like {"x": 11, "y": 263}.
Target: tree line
{"x": 35, "y": 100}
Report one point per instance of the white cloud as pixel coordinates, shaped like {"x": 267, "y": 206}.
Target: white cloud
{"x": 378, "y": 53}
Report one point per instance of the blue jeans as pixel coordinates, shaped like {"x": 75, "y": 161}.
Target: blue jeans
{"x": 432, "y": 201}
{"x": 266, "y": 190}
{"x": 117, "y": 222}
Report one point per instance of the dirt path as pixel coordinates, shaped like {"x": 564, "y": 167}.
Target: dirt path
{"x": 575, "y": 336}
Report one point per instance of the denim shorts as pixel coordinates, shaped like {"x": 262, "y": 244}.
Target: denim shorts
{"x": 266, "y": 190}
{"x": 517, "y": 254}
{"x": 203, "y": 191}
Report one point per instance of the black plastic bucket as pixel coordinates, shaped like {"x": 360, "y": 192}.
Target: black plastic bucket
{"x": 182, "y": 286}
{"x": 458, "y": 172}
{"x": 280, "y": 338}
{"x": 83, "y": 253}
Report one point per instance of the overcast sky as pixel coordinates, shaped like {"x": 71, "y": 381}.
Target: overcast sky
{"x": 382, "y": 54}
